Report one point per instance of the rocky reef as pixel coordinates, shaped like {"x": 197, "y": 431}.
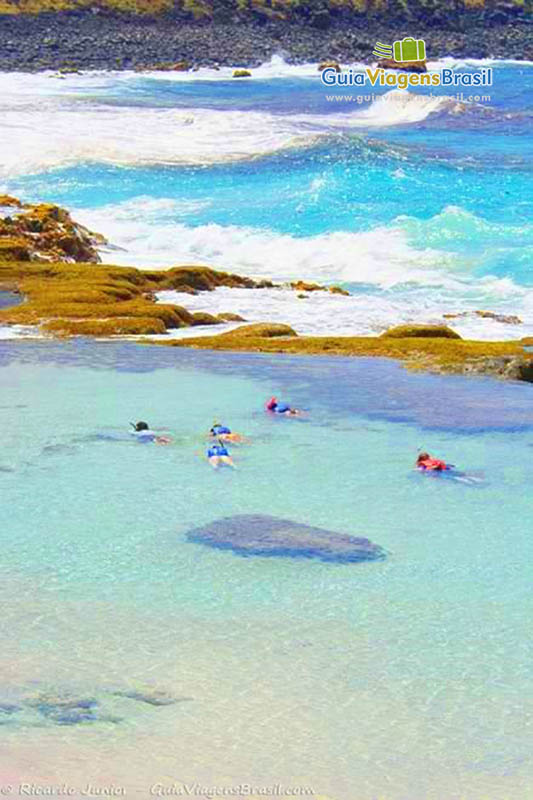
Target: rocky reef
{"x": 86, "y": 299}
{"x": 64, "y": 707}
{"x": 44, "y": 232}
{"x": 435, "y": 349}
{"x": 262, "y": 535}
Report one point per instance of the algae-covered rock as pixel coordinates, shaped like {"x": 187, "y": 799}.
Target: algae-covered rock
{"x": 242, "y": 73}
{"x": 262, "y": 535}
{"x": 302, "y": 286}
{"x": 119, "y": 326}
{"x": 420, "y": 332}
{"x": 228, "y": 316}
{"x": 7, "y": 201}
{"x": 507, "y": 319}
{"x": 338, "y": 290}
{"x": 329, "y": 64}
{"x": 203, "y": 318}
{"x": 45, "y": 232}
{"x": 262, "y": 330}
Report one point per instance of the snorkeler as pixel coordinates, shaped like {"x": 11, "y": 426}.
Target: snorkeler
{"x": 217, "y": 455}
{"x": 281, "y": 408}
{"x": 426, "y": 462}
{"x": 143, "y": 434}
{"x": 225, "y": 434}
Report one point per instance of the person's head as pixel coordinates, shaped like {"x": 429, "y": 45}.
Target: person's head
{"x": 272, "y": 403}
{"x": 141, "y": 426}
{"x": 422, "y": 457}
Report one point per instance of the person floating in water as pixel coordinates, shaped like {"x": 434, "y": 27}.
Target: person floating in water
{"x": 142, "y": 433}
{"x": 217, "y": 455}
{"x": 275, "y": 407}
{"x": 225, "y": 434}
{"x": 426, "y": 462}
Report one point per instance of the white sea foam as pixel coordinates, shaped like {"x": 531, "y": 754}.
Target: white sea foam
{"x": 399, "y": 281}
{"x": 321, "y": 313}
{"x": 148, "y": 233}
{"x": 46, "y": 124}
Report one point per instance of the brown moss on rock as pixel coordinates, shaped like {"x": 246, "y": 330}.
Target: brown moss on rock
{"x": 7, "y": 200}
{"x": 45, "y": 232}
{"x": 260, "y": 330}
{"x": 120, "y": 326}
{"x": 420, "y": 332}
{"x": 87, "y": 294}
{"x": 203, "y": 318}
{"x": 228, "y": 316}
{"x": 338, "y": 290}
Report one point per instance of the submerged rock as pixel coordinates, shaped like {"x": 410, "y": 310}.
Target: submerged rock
{"x": 153, "y": 697}
{"x": 65, "y": 709}
{"x": 262, "y": 535}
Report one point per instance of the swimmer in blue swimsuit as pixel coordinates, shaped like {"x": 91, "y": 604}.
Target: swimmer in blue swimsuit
{"x": 225, "y": 434}
{"x": 217, "y": 455}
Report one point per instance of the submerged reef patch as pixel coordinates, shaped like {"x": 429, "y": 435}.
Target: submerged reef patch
{"x": 262, "y": 535}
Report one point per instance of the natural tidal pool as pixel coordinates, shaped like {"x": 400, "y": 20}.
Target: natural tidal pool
{"x": 133, "y": 657}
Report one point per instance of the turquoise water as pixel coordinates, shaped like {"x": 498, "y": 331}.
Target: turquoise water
{"x": 406, "y": 678}
{"x": 132, "y": 658}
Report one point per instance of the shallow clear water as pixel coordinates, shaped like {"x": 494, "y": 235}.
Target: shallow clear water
{"x": 407, "y": 678}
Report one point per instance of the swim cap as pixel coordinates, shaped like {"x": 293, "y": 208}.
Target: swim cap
{"x": 141, "y": 426}
{"x": 272, "y": 403}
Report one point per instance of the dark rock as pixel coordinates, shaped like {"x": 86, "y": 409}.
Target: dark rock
{"x": 9, "y": 708}
{"x": 65, "y": 710}
{"x": 261, "y": 535}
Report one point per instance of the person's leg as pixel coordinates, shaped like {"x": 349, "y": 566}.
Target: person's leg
{"x": 214, "y": 461}
{"x": 228, "y": 461}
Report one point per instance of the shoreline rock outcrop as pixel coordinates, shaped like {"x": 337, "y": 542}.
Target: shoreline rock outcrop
{"x": 102, "y": 35}
{"x": 44, "y": 232}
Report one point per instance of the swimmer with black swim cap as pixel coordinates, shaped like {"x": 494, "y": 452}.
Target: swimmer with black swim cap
{"x": 141, "y": 431}
{"x": 225, "y": 434}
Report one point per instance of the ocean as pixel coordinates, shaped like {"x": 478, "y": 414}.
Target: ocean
{"x": 135, "y": 662}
